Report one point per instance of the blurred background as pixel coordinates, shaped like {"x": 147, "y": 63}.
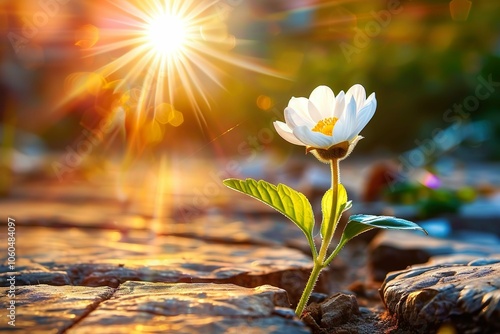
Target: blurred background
{"x": 85, "y": 91}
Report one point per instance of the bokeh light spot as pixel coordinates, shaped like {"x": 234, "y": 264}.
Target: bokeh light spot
{"x": 264, "y": 102}
{"x": 431, "y": 181}
{"x": 164, "y": 113}
{"x": 177, "y": 119}
{"x": 86, "y": 36}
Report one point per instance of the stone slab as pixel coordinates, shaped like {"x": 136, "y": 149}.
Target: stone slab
{"x": 50, "y": 309}
{"x": 464, "y": 296}
{"x": 190, "y": 308}
{"x": 108, "y": 258}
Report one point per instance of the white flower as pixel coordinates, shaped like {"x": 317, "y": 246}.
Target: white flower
{"x": 326, "y": 124}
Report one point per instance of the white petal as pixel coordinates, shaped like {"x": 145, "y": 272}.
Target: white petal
{"x": 339, "y": 105}
{"x": 366, "y": 113}
{"x": 286, "y": 133}
{"x": 368, "y": 100}
{"x": 311, "y": 138}
{"x": 294, "y": 119}
{"x": 301, "y": 106}
{"x": 282, "y": 126}
{"x": 358, "y": 92}
{"x": 346, "y": 125}
{"x": 350, "y": 117}
{"x": 314, "y": 112}
{"x": 339, "y": 132}
{"x": 323, "y": 99}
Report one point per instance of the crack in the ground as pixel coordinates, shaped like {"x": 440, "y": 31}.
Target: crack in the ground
{"x": 89, "y": 309}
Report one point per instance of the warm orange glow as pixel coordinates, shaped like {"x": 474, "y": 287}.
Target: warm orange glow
{"x": 166, "y": 114}
{"x": 86, "y": 36}
{"x": 171, "y": 50}
{"x": 264, "y": 102}
{"x": 166, "y": 34}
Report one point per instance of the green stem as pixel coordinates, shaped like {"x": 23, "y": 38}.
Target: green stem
{"x": 334, "y": 215}
{"x": 319, "y": 261}
{"x": 311, "y": 282}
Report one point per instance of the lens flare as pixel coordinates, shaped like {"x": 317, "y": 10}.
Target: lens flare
{"x": 168, "y": 51}
{"x": 156, "y": 61}
{"x": 166, "y": 34}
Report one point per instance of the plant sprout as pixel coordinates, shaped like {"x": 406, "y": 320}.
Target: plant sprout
{"x": 328, "y": 126}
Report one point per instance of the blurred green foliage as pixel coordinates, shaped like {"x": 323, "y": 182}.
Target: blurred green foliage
{"x": 419, "y": 64}
{"x": 418, "y": 60}
{"x": 429, "y": 202}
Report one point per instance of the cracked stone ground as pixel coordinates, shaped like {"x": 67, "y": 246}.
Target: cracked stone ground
{"x": 71, "y": 279}
{"x": 90, "y": 263}
{"x": 87, "y": 262}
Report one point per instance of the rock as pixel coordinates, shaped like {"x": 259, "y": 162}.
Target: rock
{"x": 396, "y": 250}
{"x": 284, "y": 312}
{"x": 30, "y": 273}
{"x": 340, "y": 313}
{"x": 108, "y": 258}
{"x": 190, "y": 308}
{"x": 151, "y": 307}
{"x": 30, "y": 277}
{"x": 338, "y": 310}
{"x": 335, "y": 311}
{"x": 466, "y": 296}
{"x": 49, "y": 309}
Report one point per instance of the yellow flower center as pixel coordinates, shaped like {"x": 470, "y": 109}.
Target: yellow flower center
{"x": 325, "y": 126}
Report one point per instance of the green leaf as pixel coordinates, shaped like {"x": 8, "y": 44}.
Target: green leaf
{"x": 326, "y": 208}
{"x": 291, "y": 203}
{"x": 361, "y": 223}
{"x": 347, "y": 206}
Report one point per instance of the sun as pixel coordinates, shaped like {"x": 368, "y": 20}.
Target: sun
{"x": 156, "y": 55}
{"x": 166, "y": 34}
